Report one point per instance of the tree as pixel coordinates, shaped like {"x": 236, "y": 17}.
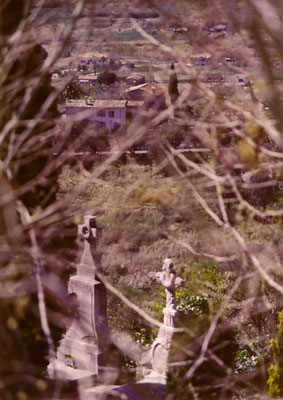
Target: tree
{"x": 28, "y": 121}
{"x": 173, "y": 84}
{"x": 72, "y": 91}
{"x": 107, "y": 78}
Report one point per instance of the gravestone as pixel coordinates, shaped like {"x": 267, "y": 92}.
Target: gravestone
{"x": 81, "y": 349}
{"x": 160, "y": 348}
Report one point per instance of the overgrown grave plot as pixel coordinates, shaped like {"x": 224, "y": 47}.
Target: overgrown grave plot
{"x": 138, "y": 229}
{"x": 144, "y": 216}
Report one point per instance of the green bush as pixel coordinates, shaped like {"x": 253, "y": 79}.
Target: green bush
{"x": 196, "y": 304}
{"x": 186, "y": 350}
{"x": 251, "y": 355}
{"x": 275, "y": 371}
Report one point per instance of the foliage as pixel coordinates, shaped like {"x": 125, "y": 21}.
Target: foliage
{"x": 106, "y": 78}
{"x": 97, "y": 90}
{"x": 144, "y": 339}
{"x": 196, "y": 304}
{"x": 72, "y": 91}
{"x": 275, "y": 371}
{"x": 251, "y": 355}
{"x": 224, "y": 344}
{"x": 122, "y": 319}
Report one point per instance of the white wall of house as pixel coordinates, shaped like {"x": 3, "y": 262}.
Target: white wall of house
{"x": 110, "y": 118}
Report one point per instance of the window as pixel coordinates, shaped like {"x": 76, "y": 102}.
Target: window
{"x": 111, "y": 114}
{"x": 101, "y": 113}
{"x": 116, "y": 126}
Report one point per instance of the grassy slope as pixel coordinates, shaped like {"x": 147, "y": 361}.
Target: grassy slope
{"x": 142, "y": 216}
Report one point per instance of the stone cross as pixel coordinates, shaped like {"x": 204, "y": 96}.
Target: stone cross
{"x": 167, "y": 277}
{"x": 90, "y": 233}
{"x": 159, "y": 352}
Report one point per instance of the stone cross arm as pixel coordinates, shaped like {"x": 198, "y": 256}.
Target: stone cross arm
{"x": 88, "y": 229}
{"x": 167, "y": 277}
{"x": 179, "y": 282}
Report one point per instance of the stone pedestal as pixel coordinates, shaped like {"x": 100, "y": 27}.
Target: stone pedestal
{"x": 79, "y": 348}
{"x": 160, "y": 351}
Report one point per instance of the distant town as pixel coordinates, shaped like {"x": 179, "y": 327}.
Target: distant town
{"x": 113, "y": 82}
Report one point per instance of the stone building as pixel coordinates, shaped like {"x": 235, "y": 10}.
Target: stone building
{"x": 201, "y": 60}
{"x": 109, "y": 114}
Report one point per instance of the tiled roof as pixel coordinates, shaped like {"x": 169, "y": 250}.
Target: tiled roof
{"x": 88, "y": 77}
{"x": 135, "y": 103}
{"x": 135, "y": 76}
{"x": 151, "y": 88}
{"x": 95, "y": 54}
{"x": 97, "y": 103}
{"x": 137, "y": 87}
{"x": 204, "y": 55}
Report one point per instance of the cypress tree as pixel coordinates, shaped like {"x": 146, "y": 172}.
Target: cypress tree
{"x": 173, "y": 84}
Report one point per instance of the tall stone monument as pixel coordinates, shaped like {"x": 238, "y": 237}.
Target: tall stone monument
{"x": 160, "y": 348}
{"x": 84, "y": 343}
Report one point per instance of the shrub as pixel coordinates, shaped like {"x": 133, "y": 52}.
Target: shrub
{"x": 275, "y": 371}
{"x": 251, "y": 355}
{"x": 196, "y": 304}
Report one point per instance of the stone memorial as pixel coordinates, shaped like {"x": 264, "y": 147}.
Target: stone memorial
{"x": 160, "y": 348}
{"x": 82, "y": 352}
{"x": 81, "y": 349}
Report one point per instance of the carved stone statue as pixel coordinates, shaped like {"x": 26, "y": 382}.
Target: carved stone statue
{"x": 161, "y": 346}
{"x": 170, "y": 281}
